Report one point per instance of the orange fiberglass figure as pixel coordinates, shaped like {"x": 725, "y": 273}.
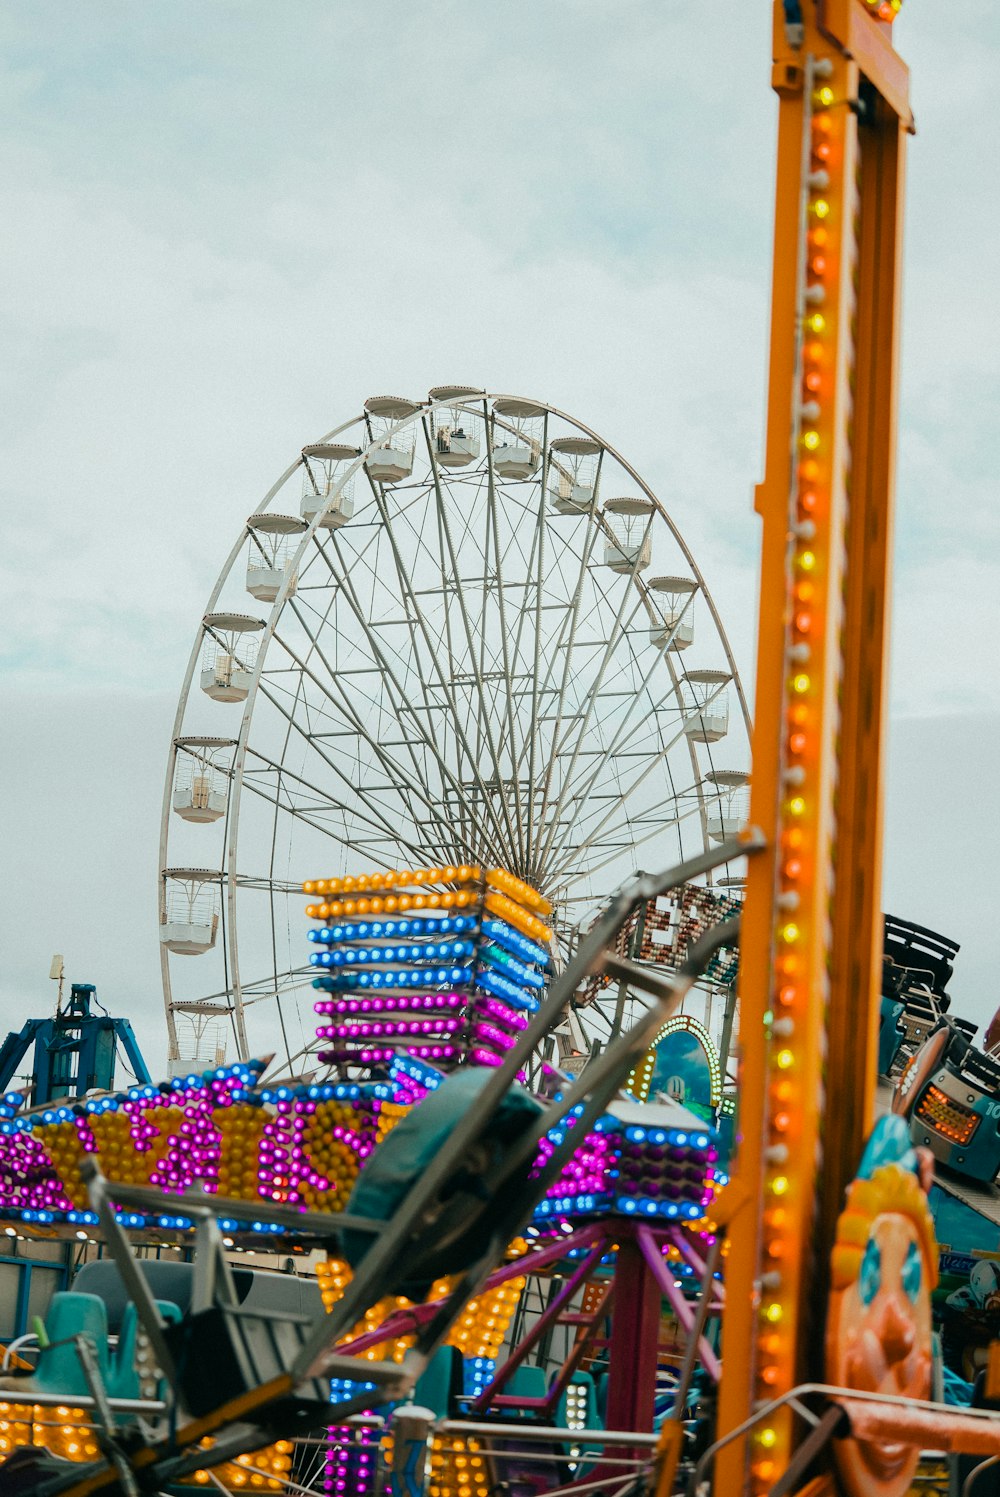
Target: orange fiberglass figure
{"x": 883, "y": 1269}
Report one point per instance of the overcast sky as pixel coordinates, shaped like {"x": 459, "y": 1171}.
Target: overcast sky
{"x": 228, "y": 222}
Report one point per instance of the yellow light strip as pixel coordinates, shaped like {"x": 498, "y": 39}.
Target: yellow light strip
{"x": 405, "y": 878}
{"x": 523, "y": 893}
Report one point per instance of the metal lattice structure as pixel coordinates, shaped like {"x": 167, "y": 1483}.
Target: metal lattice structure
{"x": 487, "y": 641}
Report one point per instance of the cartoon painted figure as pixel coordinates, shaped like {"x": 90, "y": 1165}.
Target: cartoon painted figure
{"x": 883, "y": 1268}
{"x": 971, "y": 1319}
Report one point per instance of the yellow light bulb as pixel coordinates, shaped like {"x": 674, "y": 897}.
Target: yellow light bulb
{"x": 816, "y": 323}
{"x": 821, "y": 208}
{"x": 807, "y": 560}
{"x": 796, "y": 806}
{"x": 810, "y": 440}
{"x": 767, "y": 1438}
{"x": 790, "y": 932}
{"x": 779, "y": 1185}
{"x": 823, "y": 97}
{"x": 784, "y": 1059}
{"x": 800, "y": 683}
{"x": 773, "y": 1313}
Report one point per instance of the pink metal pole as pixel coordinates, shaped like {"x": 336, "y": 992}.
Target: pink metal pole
{"x": 405, "y": 1321}
{"x": 650, "y": 1250}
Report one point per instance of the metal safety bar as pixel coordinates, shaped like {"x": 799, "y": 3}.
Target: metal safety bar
{"x": 793, "y": 1399}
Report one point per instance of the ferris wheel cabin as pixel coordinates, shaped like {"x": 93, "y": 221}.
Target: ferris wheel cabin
{"x": 326, "y": 489}
{"x": 453, "y": 445}
{"x": 730, "y": 805}
{"x": 189, "y": 915}
{"x": 228, "y": 655}
{"x": 708, "y": 720}
{"x": 517, "y": 444}
{"x": 629, "y": 546}
{"x": 573, "y": 463}
{"x": 675, "y": 631}
{"x": 201, "y": 782}
{"x": 390, "y": 460}
{"x": 271, "y": 549}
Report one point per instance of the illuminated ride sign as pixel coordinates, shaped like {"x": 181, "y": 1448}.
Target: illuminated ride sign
{"x": 303, "y": 1147}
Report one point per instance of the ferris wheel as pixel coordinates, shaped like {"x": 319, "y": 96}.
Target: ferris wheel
{"x": 456, "y": 630}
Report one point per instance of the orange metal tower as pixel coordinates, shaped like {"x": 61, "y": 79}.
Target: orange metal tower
{"x": 811, "y": 934}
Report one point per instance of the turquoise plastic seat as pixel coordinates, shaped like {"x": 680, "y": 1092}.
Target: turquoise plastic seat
{"x": 585, "y": 1400}
{"x": 400, "y": 1160}
{"x": 123, "y": 1377}
{"x": 585, "y": 1409}
{"x": 69, "y": 1315}
{"x": 526, "y": 1382}
{"x": 123, "y": 1380}
{"x": 440, "y": 1382}
{"x": 602, "y": 1396}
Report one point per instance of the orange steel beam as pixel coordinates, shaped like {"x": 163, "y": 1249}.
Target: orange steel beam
{"x": 811, "y": 930}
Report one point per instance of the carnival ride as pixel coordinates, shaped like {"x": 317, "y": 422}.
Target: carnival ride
{"x": 472, "y": 1183}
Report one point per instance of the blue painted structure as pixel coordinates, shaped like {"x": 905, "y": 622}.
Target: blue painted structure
{"x": 75, "y": 1052}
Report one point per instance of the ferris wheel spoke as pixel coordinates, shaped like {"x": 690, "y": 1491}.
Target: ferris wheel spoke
{"x": 655, "y": 752}
{"x": 389, "y": 830}
{"x": 651, "y": 766}
{"x": 428, "y": 734}
{"x": 359, "y": 727}
{"x": 653, "y": 708}
{"x": 530, "y": 610}
{"x": 382, "y": 818}
{"x": 617, "y": 632}
{"x": 567, "y": 631}
{"x": 651, "y": 813}
{"x": 536, "y": 662}
{"x": 412, "y": 612}
{"x": 341, "y": 698}
{"x": 493, "y": 539}
{"x": 414, "y": 615}
{"x": 451, "y": 584}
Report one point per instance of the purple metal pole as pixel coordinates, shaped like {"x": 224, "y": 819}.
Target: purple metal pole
{"x": 518, "y": 1353}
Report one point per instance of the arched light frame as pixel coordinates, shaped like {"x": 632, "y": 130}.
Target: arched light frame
{"x": 641, "y": 1076}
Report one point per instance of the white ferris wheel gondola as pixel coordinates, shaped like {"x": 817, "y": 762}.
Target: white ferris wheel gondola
{"x": 674, "y": 630}
{"x": 201, "y": 777}
{"x": 327, "y": 483}
{"x": 456, "y": 668}
{"x": 731, "y": 805}
{"x": 629, "y": 545}
{"x": 708, "y": 714}
{"x": 517, "y": 447}
{"x": 189, "y": 919}
{"x": 229, "y": 650}
{"x": 575, "y": 464}
{"x": 453, "y": 446}
{"x": 390, "y": 460}
{"x": 268, "y": 560}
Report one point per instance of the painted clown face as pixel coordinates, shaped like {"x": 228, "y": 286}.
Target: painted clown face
{"x": 879, "y": 1341}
